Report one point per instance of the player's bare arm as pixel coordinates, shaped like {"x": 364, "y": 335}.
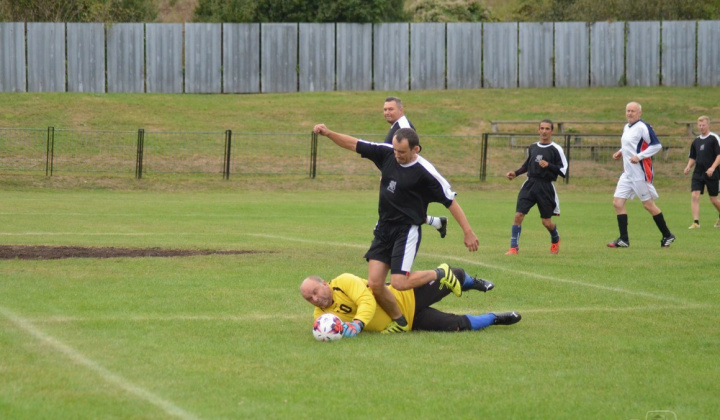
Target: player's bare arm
{"x": 712, "y": 167}
{"x": 691, "y": 163}
{"x": 342, "y": 140}
{"x": 471, "y": 241}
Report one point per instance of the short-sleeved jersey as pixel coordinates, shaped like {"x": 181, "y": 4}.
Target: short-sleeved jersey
{"x": 704, "y": 150}
{"x": 402, "y": 122}
{"x": 553, "y": 154}
{"x": 639, "y": 139}
{"x": 352, "y": 299}
{"x": 405, "y": 190}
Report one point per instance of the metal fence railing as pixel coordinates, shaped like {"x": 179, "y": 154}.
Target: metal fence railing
{"x": 481, "y": 157}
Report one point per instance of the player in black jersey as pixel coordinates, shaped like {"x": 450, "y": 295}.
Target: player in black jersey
{"x": 408, "y": 184}
{"x": 546, "y": 160}
{"x": 394, "y": 113}
{"x": 705, "y": 156}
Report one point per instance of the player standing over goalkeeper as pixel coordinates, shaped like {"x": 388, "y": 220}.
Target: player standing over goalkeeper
{"x": 408, "y": 184}
{"x": 546, "y": 160}
{"x": 637, "y": 146}
{"x": 394, "y": 114}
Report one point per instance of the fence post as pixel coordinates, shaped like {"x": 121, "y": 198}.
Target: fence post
{"x": 567, "y": 156}
{"x": 139, "y": 157}
{"x": 313, "y": 154}
{"x": 226, "y": 159}
{"x": 483, "y": 157}
{"x": 50, "y": 152}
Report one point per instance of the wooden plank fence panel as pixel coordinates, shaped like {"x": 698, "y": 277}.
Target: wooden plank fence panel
{"x": 643, "y": 54}
{"x": 708, "y": 70}
{"x": 535, "y": 54}
{"x": 317, "y": 57}
{"x": 164, "y": 57}
{"x": 607, "y": 54}
{"x": 203, "y": 58}
{"x": 126, "y": 57}
{"x": 391, "y": 69}
{"x": 464, "y": 55}
{"x": 678, "y": 53}
{"x": 427, "y": 56}
{"x": 86, "y": 57}
{"x": 572, "y": 55}
{"x": 241, "y": 57}
{"x": 354, "y": 56}
{"x": 279, "y": 58}
{"x": 12, "y": 57}
{"x": 500, "y": 55}
{"x": 46, "y": 57}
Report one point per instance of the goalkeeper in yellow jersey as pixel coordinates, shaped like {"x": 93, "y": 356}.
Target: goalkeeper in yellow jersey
{"x": 349, "y": 297}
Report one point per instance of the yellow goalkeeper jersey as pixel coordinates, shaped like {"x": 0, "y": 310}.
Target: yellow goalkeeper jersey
{"x": 352, "y": 299}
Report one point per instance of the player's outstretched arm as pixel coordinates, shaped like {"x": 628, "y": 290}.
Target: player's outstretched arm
{"x": 342, "y": 140}
{"x": 471, "y": 241}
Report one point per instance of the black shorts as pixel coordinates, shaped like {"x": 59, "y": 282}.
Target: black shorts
{"x": 700, "y": 180}
{"x": 431, "y": 319}
{"x": 538, "y": 192}
{"x": 396, "y": 246}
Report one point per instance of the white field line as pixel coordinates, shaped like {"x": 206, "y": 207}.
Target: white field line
{"x": 494, "y": 267}
{"x": 110, "y": 377}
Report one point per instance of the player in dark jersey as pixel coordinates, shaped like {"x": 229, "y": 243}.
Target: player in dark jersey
{"x": 347, "y": 296}
{"x": 395, "y": 116}
{"x": 705, "y": 156}
{"x": 546, "y": 160}
{"x": 408, "y": 184}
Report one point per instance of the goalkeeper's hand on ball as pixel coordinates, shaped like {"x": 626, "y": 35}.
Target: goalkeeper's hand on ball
{"x": 352, "y": 329}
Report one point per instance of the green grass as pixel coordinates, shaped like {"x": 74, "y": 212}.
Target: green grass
{"x": 459, "y": 112}
{"x": 605, "y": 333}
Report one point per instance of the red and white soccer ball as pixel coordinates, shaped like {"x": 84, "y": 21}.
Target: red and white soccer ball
{"x": 328, "y": 327}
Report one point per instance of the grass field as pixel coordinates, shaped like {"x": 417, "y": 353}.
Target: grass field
{"x": 606, "y": 334}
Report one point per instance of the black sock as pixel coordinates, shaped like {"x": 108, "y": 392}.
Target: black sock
{"x": 401, "y": 321}
{"x": 623, "y": 224}
{"x": 697, "y": 221}
{"x": 440, "y": 273}
{"x": 660, "y": 222}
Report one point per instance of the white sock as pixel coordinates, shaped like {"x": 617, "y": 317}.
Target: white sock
{"x": 434, "y": 222}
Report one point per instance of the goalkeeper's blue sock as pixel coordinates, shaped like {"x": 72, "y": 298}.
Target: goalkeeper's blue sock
{"x": 515, "y": 238}
{"x": 478, "y": 322}
{"x": 554, "y": 236}
{"x": 467, "y": 282}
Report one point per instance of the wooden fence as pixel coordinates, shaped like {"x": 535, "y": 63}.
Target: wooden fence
{"x": 290, "y": 57}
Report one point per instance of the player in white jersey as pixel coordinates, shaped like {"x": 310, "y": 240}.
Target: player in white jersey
{"x": 705, "y": 157}
{"x": 638, "y": 144}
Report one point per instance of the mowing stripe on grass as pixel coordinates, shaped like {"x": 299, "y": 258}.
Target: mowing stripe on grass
{"x": 113, "y": 378}
{"x": 494, "y": 267}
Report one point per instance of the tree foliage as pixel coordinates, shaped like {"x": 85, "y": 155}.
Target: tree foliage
{"x": 620, "y": 10}
{"x": 360, "y": 11}
{"x": 449, "y": 11}
{"x": 77, "y": 10}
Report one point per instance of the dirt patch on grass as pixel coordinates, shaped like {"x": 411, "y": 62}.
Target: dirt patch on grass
{"x": 43, "y": 252}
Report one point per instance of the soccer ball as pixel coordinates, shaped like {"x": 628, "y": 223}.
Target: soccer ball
{"x": 328, "y": 327}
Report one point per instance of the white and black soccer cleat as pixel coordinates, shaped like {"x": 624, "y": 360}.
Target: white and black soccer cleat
{"x": 507, "y": 318}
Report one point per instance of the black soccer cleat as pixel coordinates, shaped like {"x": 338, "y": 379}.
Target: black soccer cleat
{"x": 667, "y": 240}
{"x": 478, "y": 284}
{"x": 619, "y": 243}
{"x": 443, "y": 227}
{"x": 507, "y": 318}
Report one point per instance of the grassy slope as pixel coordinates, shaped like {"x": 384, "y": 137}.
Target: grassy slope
{"x": 434, "y": 112}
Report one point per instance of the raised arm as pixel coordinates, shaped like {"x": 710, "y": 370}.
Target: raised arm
{"x": 471, "y": 241}
{"x": 342, "y": 140}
